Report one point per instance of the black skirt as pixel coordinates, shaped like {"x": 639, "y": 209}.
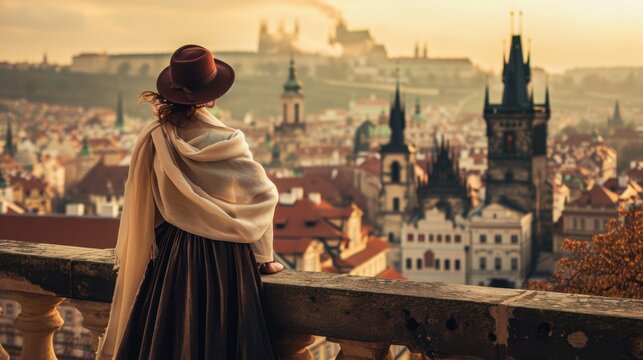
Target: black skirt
{"x": 199, "y": 299}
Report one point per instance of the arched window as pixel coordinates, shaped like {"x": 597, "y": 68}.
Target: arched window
{"x": 296, "y": 113}
{"x": 395, "y": 172}
{"x": 285, "y": 113}
{"x": 396, "y": 204}
{"x": 428, "y": 259}
{"x": 509, "y": 142}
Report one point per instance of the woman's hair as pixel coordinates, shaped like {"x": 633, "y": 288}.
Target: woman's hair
{"x": 169, "y": 112}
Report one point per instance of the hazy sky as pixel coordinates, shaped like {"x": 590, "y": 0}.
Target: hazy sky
{"x": 565, "y": 33}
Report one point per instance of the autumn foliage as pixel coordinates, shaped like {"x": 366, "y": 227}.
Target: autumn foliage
{"x": 609, "y": 265}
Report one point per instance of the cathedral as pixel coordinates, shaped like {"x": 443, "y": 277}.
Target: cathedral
{"x": 517, "y": 146}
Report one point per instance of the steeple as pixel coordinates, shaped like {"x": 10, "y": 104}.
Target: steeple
{"x": 547, "y": 107}
{"x": 515, "y": 76}
{"x": 397, "y": 120}
{"x": 486, "y": 94}
{"x": 292, "y": 85}
{"x": 8, "y": 141}
{"x": 85, "y": 151}
{"x": 417, "y": 113}
{"x": 120, "y": 119}
{"x": 617, "y": 120}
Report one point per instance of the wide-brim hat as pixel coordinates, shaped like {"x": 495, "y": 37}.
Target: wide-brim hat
{"x": 194, "y": 77}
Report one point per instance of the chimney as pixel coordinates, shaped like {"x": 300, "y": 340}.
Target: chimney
{"x": 297, "y": 192}
{"x": 287, "y": 199}
{"x": 108, "y": 210}
{"x": 75, "y": 209}
{"x": 315, "y": 197}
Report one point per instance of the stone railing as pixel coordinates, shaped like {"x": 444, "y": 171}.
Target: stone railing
{"x": 364, "y": 315}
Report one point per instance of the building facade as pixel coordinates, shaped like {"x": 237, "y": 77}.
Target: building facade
{"x": 500, "y": 246}
{"x": 517, "y": 147}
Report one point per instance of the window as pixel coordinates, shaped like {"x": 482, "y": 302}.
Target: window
{"x": 514, "y": 263}
{"x": 69, "y": 316}
{"x": 391, "y": 237}
{"x": 509, "y": 142}
{"x": 497, "y": 264}
{"x": 9, "y": 308}
{"x": 409, "y": 237}
{"x": 421, "y": 237}
{"x": 409, "y": 263}
{"x": 430, "y": 237}
{"x": 514, "y": 239}
{"x": 483, "y": 239}
{"x": 396, "y": 204}
{"x": 418, "y": 264}
{"x": 285, "y": 113}
{"x": 428, "y": 258}
{"x": 437, "y": 264}
{"x": 456, "y": 264}
{"x": 447, "y": 264}
{"x": 447, "y": 238}
{"x": 597, "y": 224}
{"x": 395, "y": 172}
{"x": 296, "y": 113}
{"x": 458, "y": 238}
{"x": 439, "y": 237}
{"x": 582, "y": 223}
{"x": 498, "y": 239}
{"x": 483, "y": 263}
{"x": 575, "y": 223}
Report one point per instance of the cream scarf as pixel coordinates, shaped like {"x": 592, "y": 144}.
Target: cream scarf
{"x": 207, "y": 185}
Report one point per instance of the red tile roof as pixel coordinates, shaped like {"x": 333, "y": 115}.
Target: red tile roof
{"x": 303, "y": 220}
{"x": 390, "y": 273}
{"x": 598, "y": 195}
{"x": 92, "y": 232}
{"x": 103, "y": 180}
{"x": 291, "y": 246}
{"x": 374, "y": 247}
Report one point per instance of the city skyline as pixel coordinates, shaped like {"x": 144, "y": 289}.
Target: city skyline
{"x": 587, "y": 34}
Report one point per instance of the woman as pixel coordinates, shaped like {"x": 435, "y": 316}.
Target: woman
{"x": 196, "y": 222}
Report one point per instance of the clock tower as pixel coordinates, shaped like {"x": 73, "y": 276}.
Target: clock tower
{"x": 517, "y": 146}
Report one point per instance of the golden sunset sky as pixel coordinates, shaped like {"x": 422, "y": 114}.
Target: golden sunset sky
{"x": 565, "y": 33}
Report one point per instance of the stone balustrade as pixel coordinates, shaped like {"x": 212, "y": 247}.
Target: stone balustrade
{"x": 366, "y": 316}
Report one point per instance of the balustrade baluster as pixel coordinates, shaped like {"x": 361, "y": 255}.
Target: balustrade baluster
{"x": 357, "y": 350}
{"x": 38, "y": 320}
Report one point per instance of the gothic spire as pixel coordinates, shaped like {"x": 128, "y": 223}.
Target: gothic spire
{"x": 8, "y": 140}
{"x": 516, "y": 76}
{"x": 547, "y": 98}
{"x": 120, "y": 119}
{"x": 397, "y": 120}
{"x": 486, "y": 94}
{"x": 617, "y": 120}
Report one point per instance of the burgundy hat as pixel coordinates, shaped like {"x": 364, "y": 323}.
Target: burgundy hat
{"x": 194, "y": 77}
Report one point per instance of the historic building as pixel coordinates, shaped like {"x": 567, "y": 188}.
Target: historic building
{"x": 281, "y": 42}
{"x": 356, "y": 43}
{"x": 436, "y": 248}
{"x": 290, "y": 134}
{"x": 444, "y": 188}
{"x": 398, "y": 179}
{"x": 500, "y": 246}
{"x": 517, "y": 147}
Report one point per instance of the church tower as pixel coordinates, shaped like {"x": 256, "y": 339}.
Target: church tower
{"x": 517, "y": 146}
{"x": 9, "y": 148}
{"x": 398, "y": 192}
{"x": 120, "y": 118}
{"x": 291, "y": 132}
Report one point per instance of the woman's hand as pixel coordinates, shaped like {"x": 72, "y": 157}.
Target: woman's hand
{"x": 271, "y": 267}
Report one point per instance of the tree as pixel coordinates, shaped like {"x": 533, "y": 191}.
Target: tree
{"x": 611, "y": 264}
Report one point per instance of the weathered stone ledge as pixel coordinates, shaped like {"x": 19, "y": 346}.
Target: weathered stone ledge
{"x": 432, "y": 318}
